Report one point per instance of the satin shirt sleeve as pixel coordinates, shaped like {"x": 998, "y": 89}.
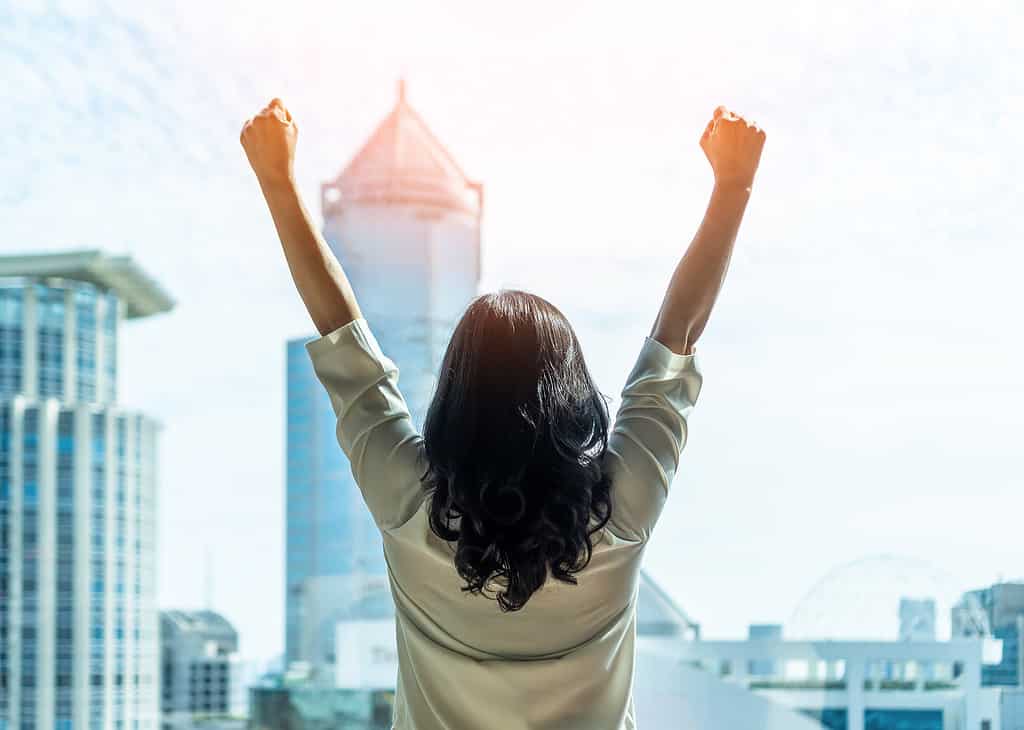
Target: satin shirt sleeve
{"x": 648, "y": 436}
{"x": 375, "y": 429}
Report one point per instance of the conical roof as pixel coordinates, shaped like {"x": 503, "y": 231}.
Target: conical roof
{"x": 403, "y": 162}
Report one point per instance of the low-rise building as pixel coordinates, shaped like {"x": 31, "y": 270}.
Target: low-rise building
{"x": 201, "y": 672}
{"x": 863, "y": 685}
{"x": 296, "y": 701}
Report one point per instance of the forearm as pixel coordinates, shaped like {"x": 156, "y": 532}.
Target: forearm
{"x": 699, "y": 276}
{"x": 318, "y": 275}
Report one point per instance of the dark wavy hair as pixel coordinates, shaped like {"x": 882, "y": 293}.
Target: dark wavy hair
{"x": 514, "y": 438}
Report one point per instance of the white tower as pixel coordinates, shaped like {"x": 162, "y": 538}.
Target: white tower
{"x": 404, "y": 220}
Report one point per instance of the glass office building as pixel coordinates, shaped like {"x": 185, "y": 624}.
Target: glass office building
{"x": 1003, "y": 607}
{"x": 78, "y": 632}
{"x": 331, "y": 538}
{"x": 275, "y": 705}
{"x": 405, "y": 222}
{"x": 1008, "y": 673}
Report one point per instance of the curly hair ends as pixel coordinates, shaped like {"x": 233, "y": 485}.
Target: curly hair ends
{"x": 515, "y": 437}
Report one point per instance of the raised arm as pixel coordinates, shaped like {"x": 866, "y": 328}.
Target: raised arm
{"x": 733, "y": 147}
{"x": 269, "y": 142}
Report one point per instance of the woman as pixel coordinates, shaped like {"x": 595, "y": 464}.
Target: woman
{"x": 514, "y": 527}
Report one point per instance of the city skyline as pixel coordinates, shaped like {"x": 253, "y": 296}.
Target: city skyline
{"x": 862, "y": 390}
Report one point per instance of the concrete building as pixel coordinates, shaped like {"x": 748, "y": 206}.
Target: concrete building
{"x": 1011, "y": 709}
{"x": 761, "y": 632}
{"x": 998, "y": 611}
{"x": 670, "y": 691}
{"x": 1003, "y": 606}
{"x": 324, "y": 603}
{"x": 201, "y": 673}
{"x": 917, "y": 619}
{"x": 405, "y": 222}
{"x": 854, "y": 685}
{"x": 78, "y": 621}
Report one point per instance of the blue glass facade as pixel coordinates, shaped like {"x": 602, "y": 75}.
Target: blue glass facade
{"x": 329, "y": 530}
{"x": 10, "y": 340}
{"x": 903, "y": 719}
{"x": 1007, "y": 672}
{"x": 838, "y": 719}
{"x": 77, "y": 485}
{"x": 1003, "y": 605}
{"x": 67, "y": 327}
{"x": 110, "y": 334}
{"x": 29, "y": 566}
{"x": 85, "y": 337}
{"x": 50, "y": 341}
{"x": 65, "y": 620}
{"x": 6, "y": 566}
{"x": 119, "y": 570}
{"x": 97, "y": 569}
{"x": 833, "y": 718}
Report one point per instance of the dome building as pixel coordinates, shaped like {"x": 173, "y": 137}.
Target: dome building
{"x": 868, "y": 648}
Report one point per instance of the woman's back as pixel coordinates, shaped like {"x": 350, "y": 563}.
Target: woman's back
{"x": 563, "y": 660}
{"x": 556, "y": 619}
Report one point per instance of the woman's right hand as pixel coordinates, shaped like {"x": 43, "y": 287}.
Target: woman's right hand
{"x": 269, "y": 142}
{"x": 733, "y": 147}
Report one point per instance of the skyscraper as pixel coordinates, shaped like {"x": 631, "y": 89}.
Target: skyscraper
{"x": 404, "y": 220}
{"x": 78, "y": 620}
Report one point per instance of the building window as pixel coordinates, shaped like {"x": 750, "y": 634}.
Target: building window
{"x": 10, "y": 341}
{"x": 50, "y": 340}
{"x": 85, "y": 342}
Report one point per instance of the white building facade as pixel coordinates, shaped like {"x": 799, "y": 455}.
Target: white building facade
{"x": 854, "y": 685}
{"x": 78, "y": 621}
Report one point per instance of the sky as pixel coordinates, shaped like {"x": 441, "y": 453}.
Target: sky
{"x": 863, "y": 391}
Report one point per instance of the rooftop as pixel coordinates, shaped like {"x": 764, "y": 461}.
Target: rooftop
{"x": 142, "y": 296}
{"x": 404, "y": 162}
{"x": 208, "y": 623}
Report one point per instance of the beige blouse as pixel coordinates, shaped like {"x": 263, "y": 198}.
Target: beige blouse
{"x": 566, "y": 659}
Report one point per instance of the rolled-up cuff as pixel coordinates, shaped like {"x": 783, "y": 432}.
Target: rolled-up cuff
{"x": 357, "y": 332}
{"x": 672, "y": 362}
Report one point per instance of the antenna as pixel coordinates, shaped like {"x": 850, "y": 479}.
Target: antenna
{"x": 208, "y": 579}
{"x": 401, "y": 90}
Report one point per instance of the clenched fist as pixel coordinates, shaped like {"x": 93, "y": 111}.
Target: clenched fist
{"x": 733, "y": 147}
{"x": 269, "y": 142}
